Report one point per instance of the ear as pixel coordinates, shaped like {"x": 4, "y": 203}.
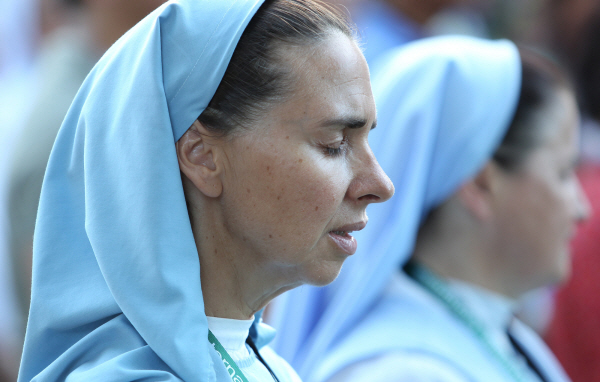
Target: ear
{"x": 196, "y": 153}
{"x": 476, "y": 194}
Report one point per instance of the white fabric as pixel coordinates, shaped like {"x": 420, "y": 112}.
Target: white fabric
{"x": 490, "y": 309}
{"x": 495, "y": 312}
{"x": 232, "y": 335}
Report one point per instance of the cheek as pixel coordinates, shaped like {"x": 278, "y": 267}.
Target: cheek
{"x": 537, "y": 225}
{"x": 553, "y": 258}
{"x": 302, "y": 191}
{"x": 286, "y": 198}
{"x": 552, "y": 202}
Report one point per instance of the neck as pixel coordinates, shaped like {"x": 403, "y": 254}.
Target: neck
{"x": 464, "y": 254}
{"x": 234, "y": 284}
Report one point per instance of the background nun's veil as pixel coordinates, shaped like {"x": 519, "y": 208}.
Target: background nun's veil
{"x": 116, "y": 283}
{"x": 444, "y": 105}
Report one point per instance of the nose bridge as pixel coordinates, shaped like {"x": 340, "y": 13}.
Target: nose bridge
{"x": 371, "y": 180}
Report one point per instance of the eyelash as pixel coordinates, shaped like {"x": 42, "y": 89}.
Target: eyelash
{"x": 336, "y": 151}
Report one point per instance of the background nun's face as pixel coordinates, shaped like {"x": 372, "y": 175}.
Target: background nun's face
{"x": 542, "y": 202}
{"x": 304, "y": 173}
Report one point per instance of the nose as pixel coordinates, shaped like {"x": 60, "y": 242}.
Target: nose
{"x": 371, "y": 184}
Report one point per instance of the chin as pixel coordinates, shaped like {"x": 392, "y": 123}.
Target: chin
{"x": 564, "y": 267}
{"x": 564, "y": 274}
{"x": 324, "y": 274}
{"x": 559, "y": 275}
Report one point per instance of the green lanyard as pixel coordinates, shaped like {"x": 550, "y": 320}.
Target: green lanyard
{"x": 232, "y": 368}
{"x": 440, "y": 289}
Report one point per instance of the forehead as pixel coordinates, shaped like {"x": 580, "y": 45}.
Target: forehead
{"x": 329, "y": 79}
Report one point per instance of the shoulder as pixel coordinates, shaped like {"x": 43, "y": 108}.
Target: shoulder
{"x": 405, "y": 317}
{"x": 408, "y": 323}
{"x": 402, "y": 367}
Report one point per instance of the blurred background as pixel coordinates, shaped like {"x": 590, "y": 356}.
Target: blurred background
{"x": 47, "y": 47}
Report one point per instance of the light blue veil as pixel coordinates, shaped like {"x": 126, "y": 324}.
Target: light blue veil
{"x": 444, "y": 105}
{"x": 116, "y": 278}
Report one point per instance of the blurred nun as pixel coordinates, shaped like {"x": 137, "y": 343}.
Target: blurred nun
{"x": 480, "y": 139}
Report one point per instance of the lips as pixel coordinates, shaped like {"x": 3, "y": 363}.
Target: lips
{"x": 342, "y": 238}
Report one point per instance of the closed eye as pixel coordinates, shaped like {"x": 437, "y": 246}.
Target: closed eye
{"x": 337, "y": 149}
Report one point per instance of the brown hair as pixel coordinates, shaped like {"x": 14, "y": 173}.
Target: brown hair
{"x": 255, "y": 77}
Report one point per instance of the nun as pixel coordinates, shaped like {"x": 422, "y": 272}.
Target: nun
{"x": 215, "y": 157}
{"x": 480, "y": 139}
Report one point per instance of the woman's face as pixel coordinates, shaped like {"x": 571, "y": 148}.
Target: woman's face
{"x": 541, "y": 204}
{"x": 299, "y": 178}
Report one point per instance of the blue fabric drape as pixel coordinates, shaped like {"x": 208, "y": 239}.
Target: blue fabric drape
{"x": 116, "y": 278}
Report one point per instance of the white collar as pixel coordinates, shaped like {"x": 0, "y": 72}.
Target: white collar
{"x": 489, "y": 308}
{"x": 231, "y": 333}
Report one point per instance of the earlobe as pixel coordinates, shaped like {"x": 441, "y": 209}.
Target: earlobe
{"x": 476, "y": 194}
{"x": 196, "y": 154}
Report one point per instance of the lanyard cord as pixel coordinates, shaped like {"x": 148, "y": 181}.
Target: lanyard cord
{"x": 260, "y": 358}
{"x": 440, "y": 289}
{"x": 523, "y": 352}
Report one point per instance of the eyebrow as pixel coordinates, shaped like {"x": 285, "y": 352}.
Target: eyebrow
{"x": 351, "y": 123}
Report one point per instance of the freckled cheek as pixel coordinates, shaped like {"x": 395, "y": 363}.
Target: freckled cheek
{"x": 305, "y": 194}
{"x": 291, "y": 198}
{"x": 304, "y": 214}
